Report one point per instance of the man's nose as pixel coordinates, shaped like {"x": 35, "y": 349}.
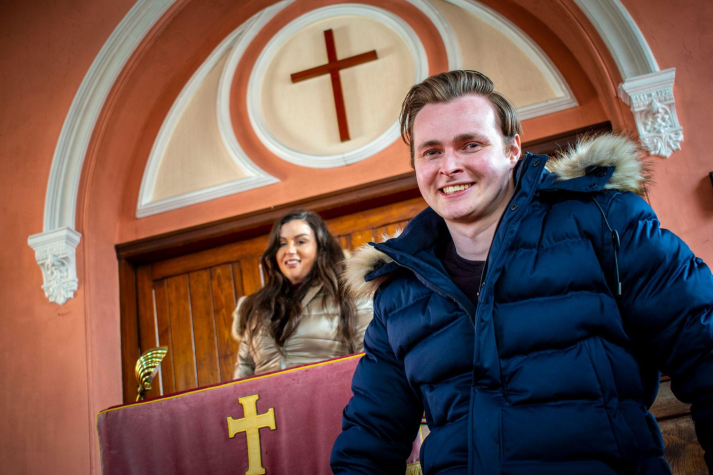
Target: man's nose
{"x": 451, "y": 162}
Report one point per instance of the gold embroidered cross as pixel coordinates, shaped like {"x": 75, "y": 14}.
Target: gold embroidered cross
{"x": 251, "y": 424}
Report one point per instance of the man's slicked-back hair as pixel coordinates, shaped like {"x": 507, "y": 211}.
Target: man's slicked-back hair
{"x": 446, "y": 87}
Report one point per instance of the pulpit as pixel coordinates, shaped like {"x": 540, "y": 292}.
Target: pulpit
{"x": 277, "y": 423}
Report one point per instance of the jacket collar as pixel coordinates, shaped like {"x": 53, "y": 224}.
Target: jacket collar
{"x": 602, "y": 162}
{"x": 311, "y": 294}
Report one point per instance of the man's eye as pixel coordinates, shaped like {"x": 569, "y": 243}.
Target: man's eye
{"x": 471, "y": 145}
{"x": 430, "y": 153}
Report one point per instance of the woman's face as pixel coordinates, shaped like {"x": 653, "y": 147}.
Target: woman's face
{"x": 297, "y": 251}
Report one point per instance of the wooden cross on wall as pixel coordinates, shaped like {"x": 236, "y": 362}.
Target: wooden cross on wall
{"x": 332, "y": 67}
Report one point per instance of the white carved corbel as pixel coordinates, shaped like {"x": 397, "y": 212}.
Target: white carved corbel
{"x": 651, "y": 100}
{"x": 55, "y": 252}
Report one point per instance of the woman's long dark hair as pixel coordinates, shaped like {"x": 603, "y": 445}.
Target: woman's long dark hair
{"x": 280, "y": 309}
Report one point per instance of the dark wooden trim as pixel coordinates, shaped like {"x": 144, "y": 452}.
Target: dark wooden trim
{"x": 330, "y": 205}
{"x": 129, "y": 327}
{"x": 256, "y": 223}
{"x": 559, "y": 142}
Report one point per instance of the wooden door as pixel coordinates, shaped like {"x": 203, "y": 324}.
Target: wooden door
{"x": 186, "y": 303}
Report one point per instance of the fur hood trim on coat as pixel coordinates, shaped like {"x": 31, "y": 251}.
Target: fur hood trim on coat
{"x": 362, "y": 261}
{"x": 606, "y": 150}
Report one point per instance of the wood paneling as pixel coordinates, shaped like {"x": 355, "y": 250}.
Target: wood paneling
{"x": 224, "y": 301}
{"x": 181, "y": 327}
{"x": 147, "y": 320}
{"x": 250, "y": 274}
{"x": 683, "y": 452}
{"x": 163, "y": 325}
{"x": 130, "y": 348}
{"x": 204, "y": 334}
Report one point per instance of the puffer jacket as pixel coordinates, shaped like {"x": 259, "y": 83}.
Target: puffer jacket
{"x": 315, "y": 339}
{"x": 552, "y": 373}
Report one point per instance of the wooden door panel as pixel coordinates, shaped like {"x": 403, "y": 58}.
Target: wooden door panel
{"x": 210, "y": 258}
{"x": 163, "y": 327}
{"x": 376, "y": 217}
{"x": 181, "y": 329}
{"x": 147, "y": 320}
{"x": 250, "y": 273}
{"x": 360, "y": 238}
{"x": 237, "y": 280}
{"x": 130, "y": 347}
{"x": 224, "y": 301}
{"x": 204, "y": 334}
{"x": 345, "y": 242}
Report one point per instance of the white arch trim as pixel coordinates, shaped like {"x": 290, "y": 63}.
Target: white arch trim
{"x": 445, "y": 30}
{"x": 646, "y": 89}
{"x": 256, "y": 177}
{"x": 254, "y": 92}
{"x": 55, "y": 246}
{"x": 538, "y": 57}
{"x": 59, "y": 234}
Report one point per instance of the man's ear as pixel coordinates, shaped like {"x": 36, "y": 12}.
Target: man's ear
{"x": 515, "y": 150}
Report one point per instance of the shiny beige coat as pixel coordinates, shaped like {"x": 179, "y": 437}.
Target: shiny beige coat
{"x": 315, "y": 338}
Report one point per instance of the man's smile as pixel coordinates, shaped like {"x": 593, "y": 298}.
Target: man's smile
{"x": 454, "y": 189}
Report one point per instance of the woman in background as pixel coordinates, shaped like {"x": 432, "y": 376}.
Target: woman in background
{"x": 301, "y": 315}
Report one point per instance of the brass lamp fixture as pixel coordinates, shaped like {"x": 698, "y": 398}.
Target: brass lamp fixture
{"x": 147, "y": 367}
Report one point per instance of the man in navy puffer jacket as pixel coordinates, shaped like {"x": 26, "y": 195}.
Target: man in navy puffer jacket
{"x": 528, "y": 311}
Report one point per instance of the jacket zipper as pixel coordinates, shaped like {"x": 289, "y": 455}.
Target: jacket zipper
{"x": 436, "y": 289}
{"x": 487, "y": 257}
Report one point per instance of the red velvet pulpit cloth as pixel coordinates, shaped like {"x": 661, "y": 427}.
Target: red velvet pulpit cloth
{"x": 277, "y": 423}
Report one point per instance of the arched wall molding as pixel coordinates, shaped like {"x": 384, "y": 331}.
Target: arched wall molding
{"x": 647, "y": 90}
{"x": 256, "y": 177}
{"x": 455, "y": 60}
{"x": 609, "y": 17}
{"x": 59, "y": 234}
{"x": 254, "y": 92}
{"x": 525, "y": 44}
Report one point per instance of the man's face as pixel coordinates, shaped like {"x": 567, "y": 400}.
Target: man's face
{"x": 462, "y": 166}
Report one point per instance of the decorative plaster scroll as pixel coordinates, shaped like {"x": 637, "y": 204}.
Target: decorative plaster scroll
{"x": 256, "y": 177}
{"x": 61, "y": 200}
{"x": 254, "y": 93}
{"x": 651, "y": 99}
{"x": 55, "y": 253}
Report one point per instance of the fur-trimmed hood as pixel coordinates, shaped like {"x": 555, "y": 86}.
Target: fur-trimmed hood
{"x": 608, "y": 150}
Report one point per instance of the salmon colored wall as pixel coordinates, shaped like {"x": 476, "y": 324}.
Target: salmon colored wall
{"x": 46, "y": 49}
{"x": 61, "y": 364}
{"x": 681, "y": 37}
